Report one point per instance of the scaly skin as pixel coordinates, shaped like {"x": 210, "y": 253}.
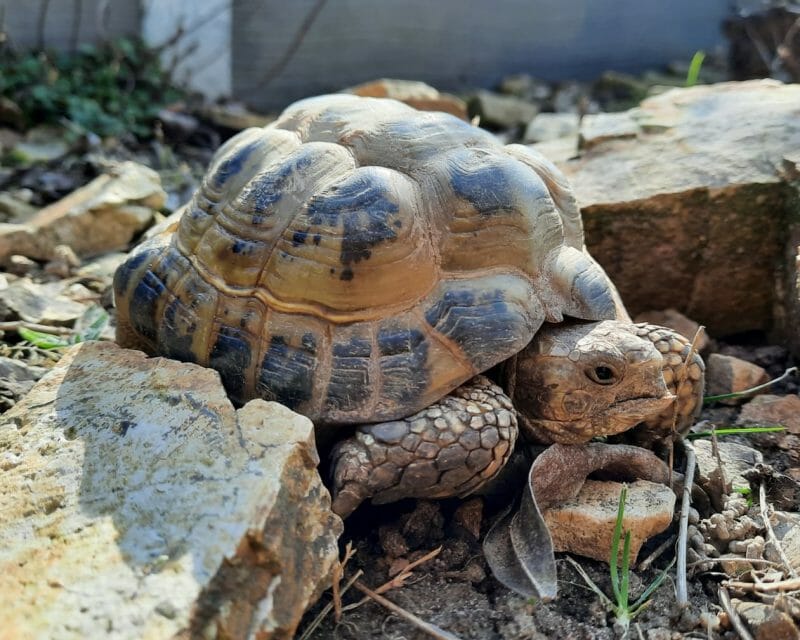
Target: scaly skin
{"x": 572, "y": 383}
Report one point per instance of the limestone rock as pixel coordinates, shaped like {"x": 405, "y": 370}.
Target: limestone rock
{"x": 585, "y": 524}
{"x": 769, "y": 410}
{"x": 766, "y": 622}
{"x": 601, "y": 127}
{"x": 735, "y": 459}
{"x": 16, "y": 379}
{"x": 551, "y": 126}
{"x": 503, "y": 112}
{"x": 137, "y": 503}
{"x": 48, "y": 303}
{"x": 697, "y": 199}
{"x": 674, "y": 319}
{"x": 415, "y": 94}
{"x": 102, "y": 216}
{"x": 728, "y": 374}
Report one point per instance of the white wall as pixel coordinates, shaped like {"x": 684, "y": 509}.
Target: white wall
{"x": 203, "y": 53}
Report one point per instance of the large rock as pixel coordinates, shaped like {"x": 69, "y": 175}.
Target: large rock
{"x": 102, "y": 216}
{"x": 695, "y": 208}
{"x": 137, "y": 503}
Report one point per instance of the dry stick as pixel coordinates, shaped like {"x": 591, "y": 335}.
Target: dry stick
{"x": 77, "y": 13}
{"x": 275, "y": 70}
{"x": 755, "y": 587}
{"x": 683, "y": 528}
{"x": 762, "y": 498}
{"x": 726, "y": 558}
{"x": 399, "y": 579}
{"x": 644, "y": 565}
{"x": 338, "y": 571}
{"x": 327, "y": 608}
{"x": 16, "y": 324}
{"x": 733, "y": 616}
{"x": 44, "y": 5}
{"x": 429, "y": 628}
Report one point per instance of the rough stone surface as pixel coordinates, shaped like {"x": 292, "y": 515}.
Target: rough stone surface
{"x": 769, "y": 410}
{"x": 735, "y": 458}
{"x": 585, "y": 524}
{"x": 699, "y": 198}
{"x": 551, "y": 126}
{"x": 598, "y": 128}
{"x": 728, "y": 374}
{"x": 415, "y": 94}
{"x": 766, "y": 622}
{"x": 137, "y": 503}
{"x": 48, "y": 303}
{"x": 102, "y": 216}
{"x": 504, "y": 112}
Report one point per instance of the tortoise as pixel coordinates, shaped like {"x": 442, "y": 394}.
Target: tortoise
{"x": 364, "y": 263}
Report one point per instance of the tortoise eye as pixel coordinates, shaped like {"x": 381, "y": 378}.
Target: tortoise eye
{"x": 602, "y": 375}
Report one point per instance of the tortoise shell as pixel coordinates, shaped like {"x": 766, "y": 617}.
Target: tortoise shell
{"x": 358, "y": 259}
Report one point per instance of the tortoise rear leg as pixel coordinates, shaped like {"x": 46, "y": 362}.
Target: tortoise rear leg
{"x": 449, "y": 449}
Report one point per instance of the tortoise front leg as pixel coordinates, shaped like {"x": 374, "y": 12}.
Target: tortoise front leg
{"x": 449, "y": 449}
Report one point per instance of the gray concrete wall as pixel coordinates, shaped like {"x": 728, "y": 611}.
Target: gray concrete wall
{"x": 456, "y": 44}
{"x": 67, "y": 23}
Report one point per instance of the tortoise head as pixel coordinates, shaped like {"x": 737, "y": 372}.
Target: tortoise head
{"x": 576, "y": 381}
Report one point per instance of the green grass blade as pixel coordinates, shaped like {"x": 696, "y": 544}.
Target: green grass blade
{"x": 42, "y": 340}
{"x": 626, "y": 572}
{"x": 735, "y": 431}
{"x": 694, "y": 68}
{"x": 642, "y": 600}
{"x": 612, "y": 561}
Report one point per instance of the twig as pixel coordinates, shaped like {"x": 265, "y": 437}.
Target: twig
{"x": 276, "y": 69}
{"x": 44, "y": 5}
{"x": 738, "y": 394}
{"x": 762, "y": 499}
{"x": 338, "y": 570}
{"x": 399, "y": 580}
{"x": 755, "y": 587}
{"x": 681, "y": 588}
{"x": 13, "y": 325}
{"x": 733, "y": 616}
{"x": 77, "y": 14}
{"x": 726, "y": 558}
{"x": 644, "y": 565}
{"x": 327, "y": 608}
{"x": 102, "y": 14}
{"x": 429, "y": 628}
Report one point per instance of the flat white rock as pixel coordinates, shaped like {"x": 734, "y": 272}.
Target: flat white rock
{"x": 137, "y": 503}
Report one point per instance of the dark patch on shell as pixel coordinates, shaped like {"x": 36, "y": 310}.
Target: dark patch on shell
{"x": 287, "y": 371}
{"x": 231, "y": 356}
{"x": 483, "y": 324}
{"x": 486, "y": 183}
{"x": 364, "y": 211}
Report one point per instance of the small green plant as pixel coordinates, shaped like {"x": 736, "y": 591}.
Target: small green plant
{"x": 694, "y": 68}
{"x": 624, "y": 611}
{"x": 746, "y": 492}
{"x": 111, "y": 90}
{"x": 88, "y": 327}
{"x": 734, "y": 431}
